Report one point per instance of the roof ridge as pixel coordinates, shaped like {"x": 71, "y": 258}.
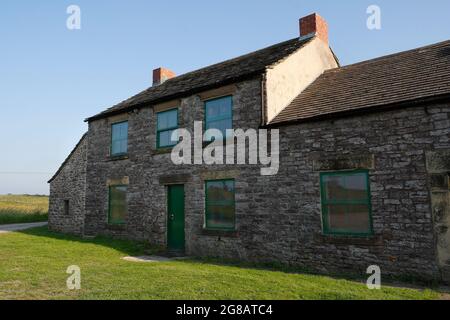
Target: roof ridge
{"x": 388, "y": 56}
{"x": 253, "y": 63}
{"x": 235, "y": 58}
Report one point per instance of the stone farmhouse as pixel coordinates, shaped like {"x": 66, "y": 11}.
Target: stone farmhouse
{"x": 364, "y": 162}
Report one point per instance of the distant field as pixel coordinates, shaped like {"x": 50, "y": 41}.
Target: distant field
{"x": 23, "y": 209}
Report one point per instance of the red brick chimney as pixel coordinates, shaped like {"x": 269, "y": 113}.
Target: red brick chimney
{"x": 161, "y": 75}
{"x": 314, "y": 24}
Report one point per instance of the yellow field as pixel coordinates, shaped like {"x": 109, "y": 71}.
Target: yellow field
{"x": 22, "y": 209}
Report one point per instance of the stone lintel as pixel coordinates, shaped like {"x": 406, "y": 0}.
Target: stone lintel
{"x": 348, "y": 163}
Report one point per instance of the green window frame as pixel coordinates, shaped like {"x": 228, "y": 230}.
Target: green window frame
{"x": 165, "y": 125}
{"x": 119, "y": 138}
{"x": 117, "y": 205}
{"x": 219, "y": 115}
{"x": 346, "y": 203}
{"x": 220, "y": 207}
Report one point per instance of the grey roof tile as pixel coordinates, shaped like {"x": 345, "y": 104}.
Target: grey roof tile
{"x": 407, "y": 76}
{"x": 223, "y": 73}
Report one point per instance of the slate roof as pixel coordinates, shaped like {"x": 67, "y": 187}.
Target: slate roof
{"x": 406, "y": 77}
{"x": 227, "y": 72}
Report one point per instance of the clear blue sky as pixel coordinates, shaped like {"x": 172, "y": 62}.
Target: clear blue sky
{"x": 52, "y": 78}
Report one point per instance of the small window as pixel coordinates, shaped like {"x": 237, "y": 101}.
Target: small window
{"x": 167, "y": 124}
{"x": 119, "y": 138}
{"x": 66, "y": 207}
{"x": 219, "y": 115}
{"x": 118, "y": 209}
{"x": 346, "y": 207}
{"x": 220, "y": 205}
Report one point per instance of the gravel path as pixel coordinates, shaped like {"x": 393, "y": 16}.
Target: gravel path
{"x": 22, "y": 226}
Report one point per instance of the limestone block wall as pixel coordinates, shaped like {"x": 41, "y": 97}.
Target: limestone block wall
{"x": 68, "y": 193}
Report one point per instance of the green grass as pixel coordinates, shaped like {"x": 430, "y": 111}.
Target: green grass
{"x": 33, "y": 265}
{"x": 23, "y": 209}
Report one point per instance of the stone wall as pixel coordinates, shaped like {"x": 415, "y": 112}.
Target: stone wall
{"x": 69, "y": 186}
{"x": 438, "y": 166}
{"x": 149, "y": 170}
{"x": 393, "y": 146}
{"x": 279, "y": 218}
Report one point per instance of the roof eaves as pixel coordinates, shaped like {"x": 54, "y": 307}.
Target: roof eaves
{"x": 178, "y": 95}
{"x": 131, "y": 106}
{"x": 360, "y": 111}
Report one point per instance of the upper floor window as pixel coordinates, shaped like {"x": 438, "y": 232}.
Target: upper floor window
{"x": 167, "y": 123}
{"x": 119, "y": 138}
{"x": 219, "y": 115}
{"x": 346, "y": 207}
{"x": 118, "y": 209}
{"x": 220, "y": 205}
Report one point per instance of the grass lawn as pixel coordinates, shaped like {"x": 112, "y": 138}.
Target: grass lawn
{"x": 23, "y": 209}
{"x": 33, "y": 265}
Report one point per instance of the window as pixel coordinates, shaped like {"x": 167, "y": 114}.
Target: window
{"x": 220, "y": 208}
{"x": 346, "y": 207}
{"x": 219, "y": 115}
{"x": 119, "y": 138}
{"x": 66, "y": 207}
{"x": 118, "y": 209}
{"x": 167, "y": 124}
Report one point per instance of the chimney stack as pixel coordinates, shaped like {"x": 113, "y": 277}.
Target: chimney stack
{"x": 314, "y": 24}
{"x": 161, "y": 75}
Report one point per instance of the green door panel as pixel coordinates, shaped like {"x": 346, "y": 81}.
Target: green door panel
{"x": 175, "y": 219}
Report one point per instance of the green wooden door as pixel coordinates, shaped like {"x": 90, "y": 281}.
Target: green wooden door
{"x": 175, "y": 221}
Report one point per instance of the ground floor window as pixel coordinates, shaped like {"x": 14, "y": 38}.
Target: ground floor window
{"x": 346, "y": 207}
{"x": 118, "y": 209}
{"x": 220, "y": 205}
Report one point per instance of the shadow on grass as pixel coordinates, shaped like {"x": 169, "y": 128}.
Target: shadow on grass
{"x": 410, "y": 282}
{"x": 134, "y": 248}
{"x": 126, "y": 247}
{"x": 278, "y": 267}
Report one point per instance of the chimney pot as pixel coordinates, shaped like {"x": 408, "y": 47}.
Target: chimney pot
{"x": 314, "y": 24}
{"x": 161, "y": 75}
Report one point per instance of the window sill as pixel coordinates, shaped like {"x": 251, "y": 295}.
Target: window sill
{"x": 368, "y": 240}
{"x": 220, "y": 233}
{"x": 118, "y": 157}
{"x": 116, "y": 227}
{"x": 163, "y": 150}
